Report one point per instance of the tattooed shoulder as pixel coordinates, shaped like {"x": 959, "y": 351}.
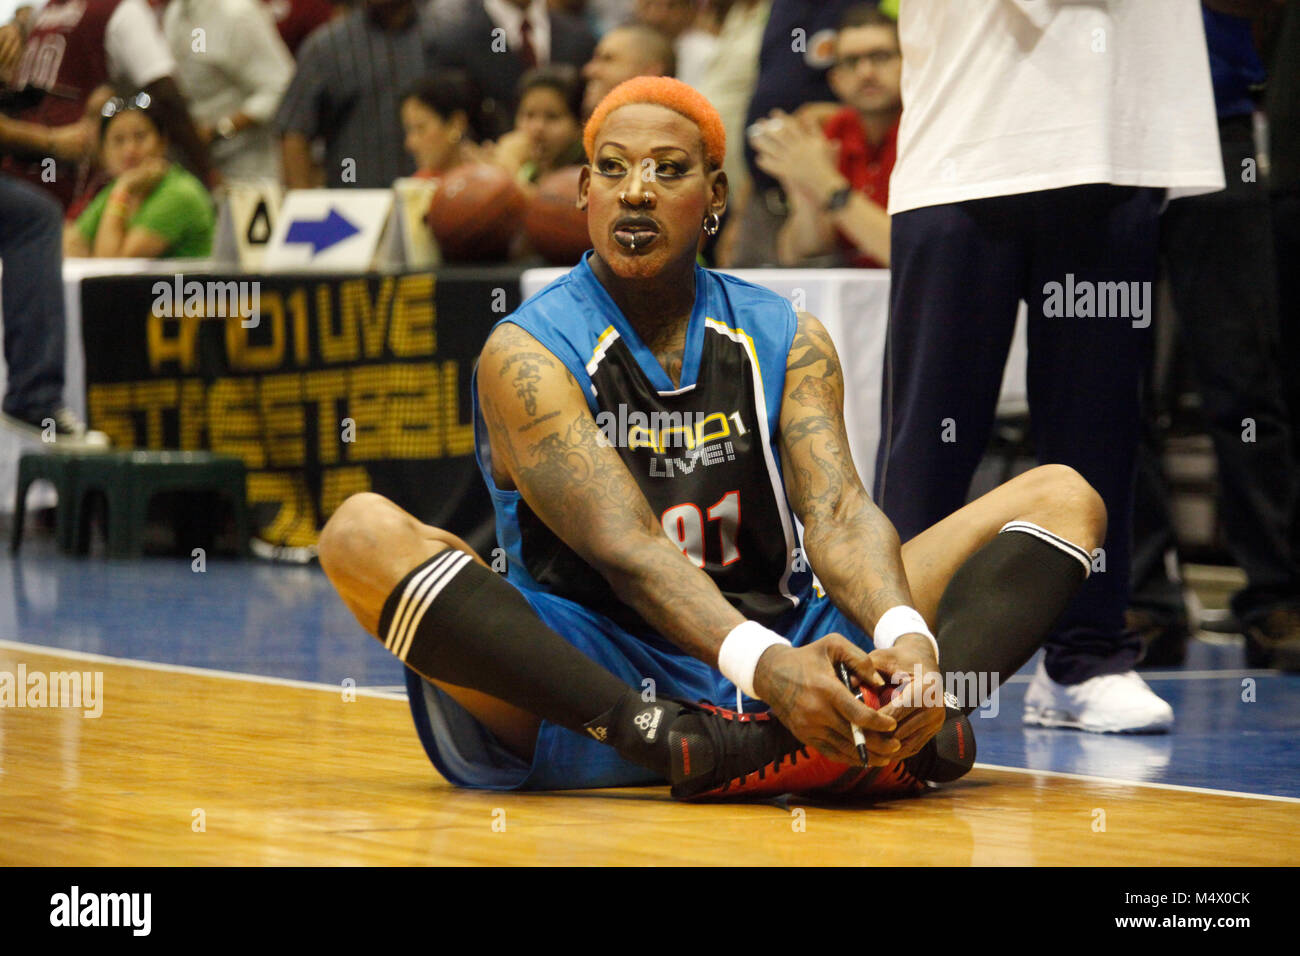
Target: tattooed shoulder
{"x": 509, "y": 345}
{"x": 812, "y": 345}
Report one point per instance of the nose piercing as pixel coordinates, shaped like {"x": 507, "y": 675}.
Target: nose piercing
{"x": 649, "y": 199}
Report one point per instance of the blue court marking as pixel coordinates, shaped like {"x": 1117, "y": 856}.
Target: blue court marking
{"x": 286, "y": 622}
{"x": 246, "y": 616}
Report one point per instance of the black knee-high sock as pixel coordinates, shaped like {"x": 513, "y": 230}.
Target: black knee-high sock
{"x": 1003, "y": 601}
{"x": 451, "y": 619}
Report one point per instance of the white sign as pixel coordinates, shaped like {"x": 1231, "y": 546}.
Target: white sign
{"x": 414, "y": 197}
{"x": 328, "y": 230}
{"x": 248, "y": 211}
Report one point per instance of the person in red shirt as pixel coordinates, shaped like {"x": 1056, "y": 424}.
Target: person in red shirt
{"x": 836, "y": 179}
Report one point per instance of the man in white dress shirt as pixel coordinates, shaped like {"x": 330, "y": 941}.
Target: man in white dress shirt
{"x": 233, "y": 68}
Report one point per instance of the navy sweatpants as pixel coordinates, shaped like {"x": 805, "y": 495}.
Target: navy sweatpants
{"x": 31, "y": 247}
{"x": 958, "y": 272}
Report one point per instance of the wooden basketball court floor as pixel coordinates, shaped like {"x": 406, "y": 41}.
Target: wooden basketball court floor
{"x": 228, "y": 737}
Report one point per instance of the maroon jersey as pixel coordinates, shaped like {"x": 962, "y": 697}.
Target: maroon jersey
{"x": 65, "y": 55}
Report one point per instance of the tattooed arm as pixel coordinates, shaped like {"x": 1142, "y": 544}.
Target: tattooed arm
{"x": 851, "y": 545}
{"x": 849, "y": 542}
{"x": 546, "y": 444}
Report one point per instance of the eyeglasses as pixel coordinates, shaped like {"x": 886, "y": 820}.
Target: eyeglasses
{"x": 877, "y": 58}
{"x": 115, "y": 105}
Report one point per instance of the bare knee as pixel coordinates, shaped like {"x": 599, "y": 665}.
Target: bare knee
{"x": 1063, "y": 501}
{"x": 368, "y": 545}
{"x": 370, "y": 535}
{"x": 355, "y": 526}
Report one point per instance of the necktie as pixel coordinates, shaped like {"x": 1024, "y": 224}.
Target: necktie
{"x": 527, "y": 53}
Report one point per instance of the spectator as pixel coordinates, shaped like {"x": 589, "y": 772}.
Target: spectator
{"x": 152, "y": 208}
{"x": 72, "y": 50}
{"x": 31, "y": 301}
{"x": 233, "y": 82}
{"x": 548, "y": 127}
{"x": 497, "y": 41}
{"x": 1219, "y": 254}
{"x": 678, "y": 20}
{"x": 345, "y": 93}
{"x": 31, "y": 282}
{"x": 72, "y": 142}
{"x": 795, "y": 53}
{"x": 296, "y": 19}
{"x": 1049, "y": 179}
{"x": 836, "y": 179}
{"x": 438, "y": 117}
{"x": 623, "y": 53}
{"x": 728, "y": 83}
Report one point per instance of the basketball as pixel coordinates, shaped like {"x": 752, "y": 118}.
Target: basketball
{"x": 475, "y": 213}
{"x": 554, "y": 224}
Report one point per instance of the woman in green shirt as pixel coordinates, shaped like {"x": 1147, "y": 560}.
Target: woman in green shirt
{"x": 153, "y": 208}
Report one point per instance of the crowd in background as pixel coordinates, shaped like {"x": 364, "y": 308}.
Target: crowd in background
{"x": 128, "y": 112}
{"x": 317, "y": 94}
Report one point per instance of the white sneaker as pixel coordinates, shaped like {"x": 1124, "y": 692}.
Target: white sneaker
{"x": 59, "y": 430}
{"x": 1110, "y": 704}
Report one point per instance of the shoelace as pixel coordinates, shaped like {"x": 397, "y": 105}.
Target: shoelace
{"x": 735, "y": 761}
{"x": 65, "y": 420}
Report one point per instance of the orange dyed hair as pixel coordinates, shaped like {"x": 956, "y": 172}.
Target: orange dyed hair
{"x": 662, "y": 91}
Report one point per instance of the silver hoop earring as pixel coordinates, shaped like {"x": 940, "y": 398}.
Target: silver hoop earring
{"x": 711, "y": 224}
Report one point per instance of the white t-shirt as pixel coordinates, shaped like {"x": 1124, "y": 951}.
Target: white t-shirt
{"x": 694, "y": 51}
{"x": 1013, "y": 96}
{"x": 137, "y": 51}
{"x": 243, "y": 67}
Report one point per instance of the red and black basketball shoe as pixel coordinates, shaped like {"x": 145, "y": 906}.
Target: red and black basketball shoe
{"x": 948, "y": 755}
{"x": 718, "y": 754}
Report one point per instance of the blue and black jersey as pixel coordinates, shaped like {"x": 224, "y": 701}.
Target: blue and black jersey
{"x": 703, "y": 452}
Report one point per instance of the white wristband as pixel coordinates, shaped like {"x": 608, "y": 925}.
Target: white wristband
{"x": 738, "y": 656}
{"x": 898, "y": 621}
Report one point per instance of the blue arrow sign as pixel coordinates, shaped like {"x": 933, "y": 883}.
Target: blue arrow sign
{"x": 321, "y": 233}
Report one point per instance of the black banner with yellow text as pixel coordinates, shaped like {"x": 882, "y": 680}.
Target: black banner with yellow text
{"x": 323, "y": 386}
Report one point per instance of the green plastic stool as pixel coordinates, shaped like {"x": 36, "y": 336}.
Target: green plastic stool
{"x": 60, "y": 470}
{"x": 130, "y": 479}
